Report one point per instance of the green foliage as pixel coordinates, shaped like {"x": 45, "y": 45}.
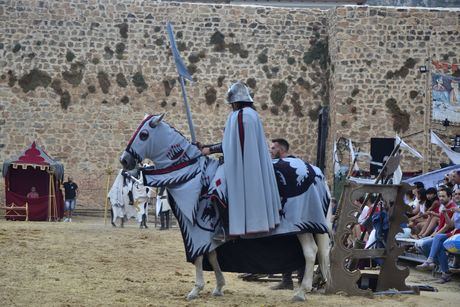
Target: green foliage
{"x": 278, "y": 92}
{"x": 34, "y": 79}
{"x": 69, "y": 56}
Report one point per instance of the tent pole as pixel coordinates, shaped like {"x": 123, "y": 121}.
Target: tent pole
{"x": 49, "y": 198}
{"x": 53, "y": 195}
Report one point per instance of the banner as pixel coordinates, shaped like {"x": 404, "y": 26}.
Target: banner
{"x": 445, "y": 93}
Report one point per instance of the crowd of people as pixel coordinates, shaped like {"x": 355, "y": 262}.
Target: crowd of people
{"x": 434, "y": 217}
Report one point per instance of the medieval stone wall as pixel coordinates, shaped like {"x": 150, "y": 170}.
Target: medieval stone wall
{"x": 377, "y": 88}
{"x": 78, "y": 76}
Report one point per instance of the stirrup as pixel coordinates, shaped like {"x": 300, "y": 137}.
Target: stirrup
{"x": 221, "y": 235}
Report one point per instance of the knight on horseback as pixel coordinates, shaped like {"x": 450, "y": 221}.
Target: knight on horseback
{"x": 253, "y": 199}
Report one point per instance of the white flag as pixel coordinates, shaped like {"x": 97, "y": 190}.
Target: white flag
{"x": 352, "y": 155}
{"x": 397, "y": 175}
{"x": 336, "y": 161}
{"x": 453, "y": 155}
{"x": 403, "y": 145}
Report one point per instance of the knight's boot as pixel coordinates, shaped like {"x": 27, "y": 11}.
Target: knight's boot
{"x": 221, "y": 233}
{"x": 285, "y": 284}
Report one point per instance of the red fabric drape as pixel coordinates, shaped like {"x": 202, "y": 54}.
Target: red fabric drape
{"x": 19, "y": 181}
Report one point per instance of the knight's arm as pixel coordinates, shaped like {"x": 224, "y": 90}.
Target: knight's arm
{"x": 213, "y": 148}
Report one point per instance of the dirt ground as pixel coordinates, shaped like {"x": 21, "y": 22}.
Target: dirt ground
{"x": 85, "y": 263}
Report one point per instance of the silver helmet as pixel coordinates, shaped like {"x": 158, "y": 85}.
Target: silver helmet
{"x": 238, "y": 92}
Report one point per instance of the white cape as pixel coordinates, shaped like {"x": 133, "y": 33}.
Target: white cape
{"x": 253, "y": 198}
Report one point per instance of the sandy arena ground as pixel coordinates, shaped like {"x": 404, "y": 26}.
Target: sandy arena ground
{"x": 85, "y": 263}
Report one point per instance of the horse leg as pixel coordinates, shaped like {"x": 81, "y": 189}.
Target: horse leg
{"x": 220, "y": 280}
{"x": 122, "y": 222}
{"x": 309, "y": 249}
{"x": 199, "y": 279}
{"x": 144, "y": 220}
{"x": 323, "y": 242}
{"x": 113, "y": 219}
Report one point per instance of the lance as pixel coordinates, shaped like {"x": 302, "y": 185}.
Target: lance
{"x": 183, "y": 74}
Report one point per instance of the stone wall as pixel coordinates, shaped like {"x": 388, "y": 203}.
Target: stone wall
{"x": 420, "y": 3}
{"x": 78, "y": 76}
{"x": 377, "y": 88}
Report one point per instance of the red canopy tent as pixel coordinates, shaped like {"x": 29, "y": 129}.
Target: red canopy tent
{"x": 34, "y": 168}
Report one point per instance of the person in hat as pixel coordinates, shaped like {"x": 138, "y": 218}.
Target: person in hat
{"x": 252, "y": 192}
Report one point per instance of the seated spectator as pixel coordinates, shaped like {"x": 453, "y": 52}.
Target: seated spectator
{"x": 431, "y": 213}
{"x": 432, "y": 246}
{"x": 33, "y": 193}
{"x": 456, "y": 179}
{"x": 358, "y": 228}
{"x": 410, "y": 200}
{"x": 418, "y": 213}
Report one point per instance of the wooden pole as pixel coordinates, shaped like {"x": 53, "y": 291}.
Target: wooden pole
{"x": 109, "y": 172}
{"x": 427, "y": 165}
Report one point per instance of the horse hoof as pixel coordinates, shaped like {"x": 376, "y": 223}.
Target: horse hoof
{"x": 298, "y": 297}
{"x": 217, "y": 292}
{"x": 191, "y": 296}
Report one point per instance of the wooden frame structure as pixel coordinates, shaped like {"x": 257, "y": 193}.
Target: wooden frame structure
{"x": 15, "y": 208}
{"x": 345, "y": 280}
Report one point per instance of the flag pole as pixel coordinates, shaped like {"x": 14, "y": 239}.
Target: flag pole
{"x": 183, "y": 74}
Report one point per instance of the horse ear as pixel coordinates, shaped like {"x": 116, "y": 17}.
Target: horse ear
{"x": 156, "y": 120}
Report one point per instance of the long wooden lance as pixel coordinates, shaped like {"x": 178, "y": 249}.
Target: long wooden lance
{"x": 183, "y": 74}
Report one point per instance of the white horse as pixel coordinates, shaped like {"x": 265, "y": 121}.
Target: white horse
{"x": 187, "y": 175}
{"x": 123, "y": 207}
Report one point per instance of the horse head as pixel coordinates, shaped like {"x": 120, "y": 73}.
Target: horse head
{"x": 158, "y": 141}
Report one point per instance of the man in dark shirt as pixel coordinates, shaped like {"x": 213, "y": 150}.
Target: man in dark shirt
{"x": 71, "y": 193}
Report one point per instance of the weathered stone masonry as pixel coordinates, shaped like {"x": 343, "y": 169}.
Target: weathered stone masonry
{"x": 78, "y": 76}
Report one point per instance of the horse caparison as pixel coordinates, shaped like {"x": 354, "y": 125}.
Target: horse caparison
{"x": 190, "y": 173}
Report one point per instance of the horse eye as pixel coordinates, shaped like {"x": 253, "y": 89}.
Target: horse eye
{"x": 144, "y": 135}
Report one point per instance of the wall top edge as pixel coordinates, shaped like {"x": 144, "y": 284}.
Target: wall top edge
{"x": 447, "y": 9}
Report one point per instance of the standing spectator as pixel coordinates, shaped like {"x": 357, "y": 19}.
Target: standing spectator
{"x": 71, "y": 193}
{"x": 33, "y": 193}
{"x": 163, "y": 208}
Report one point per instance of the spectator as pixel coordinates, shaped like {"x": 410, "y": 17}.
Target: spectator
{"x": 279, "y": 149}
{"x": 456, "y": 179}
{"x": 163, "y": 208}
{"x": 437, "y": 252}
{"x": 71, "y": 194}
{"x": 431, "y": 212}
{"x": 33, "y": 193}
